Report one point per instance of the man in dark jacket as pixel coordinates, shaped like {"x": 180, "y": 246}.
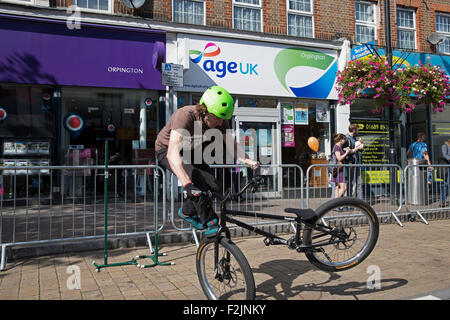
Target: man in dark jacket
{"x": 354, "y": 174}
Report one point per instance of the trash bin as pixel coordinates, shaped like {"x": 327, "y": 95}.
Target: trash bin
{"x": 417, "y": 188}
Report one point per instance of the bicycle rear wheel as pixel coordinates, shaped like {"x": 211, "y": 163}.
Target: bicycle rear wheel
{"x": 231, "y": 279}
{"x": 345, "y": 233}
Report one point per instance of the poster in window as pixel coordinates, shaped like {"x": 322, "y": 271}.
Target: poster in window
{"x": 21, "y": 148}
{"x": 322, "y": 112}
{"x": 287, "y": 135}
{"x": 287, "y": 115}
{"x": 44, "y": 147}
{"x": 33, "y": 147}
{"x": 301, "y": 114}
{"x": 9, "y": 148}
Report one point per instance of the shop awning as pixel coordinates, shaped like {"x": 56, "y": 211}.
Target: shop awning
{"x": 41, "y": 51}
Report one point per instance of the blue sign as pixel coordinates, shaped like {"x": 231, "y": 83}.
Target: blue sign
{"x": 362, "y": 51}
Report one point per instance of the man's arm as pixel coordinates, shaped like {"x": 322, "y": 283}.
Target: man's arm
{"x": 240, "y": 155}
{"x": 426, "y": 156}
{"x": 174, "y": 158}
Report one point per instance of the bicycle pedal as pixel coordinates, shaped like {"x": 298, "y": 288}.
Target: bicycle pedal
{"x": 267, "y": 241}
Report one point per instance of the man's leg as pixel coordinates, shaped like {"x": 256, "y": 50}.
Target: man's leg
{"x": 188, "y": 211}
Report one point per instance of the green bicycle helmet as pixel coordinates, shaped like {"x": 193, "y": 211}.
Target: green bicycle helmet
{"x": 218, "y": 102}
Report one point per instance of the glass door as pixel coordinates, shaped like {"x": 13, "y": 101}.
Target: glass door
{"x": 260, "y": 143}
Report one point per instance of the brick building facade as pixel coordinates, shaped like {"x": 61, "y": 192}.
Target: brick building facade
{"x": 331, "y": 20}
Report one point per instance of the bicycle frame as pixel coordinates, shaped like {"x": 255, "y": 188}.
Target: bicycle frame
{"x": 271, "y": 239}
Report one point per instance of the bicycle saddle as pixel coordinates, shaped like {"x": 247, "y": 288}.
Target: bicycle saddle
{"x": 307, "y": 215}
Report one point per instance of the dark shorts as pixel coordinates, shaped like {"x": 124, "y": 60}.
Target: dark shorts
{"x": 202, "y": 176}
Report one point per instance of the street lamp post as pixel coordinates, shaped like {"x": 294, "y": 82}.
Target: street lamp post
{"x": 392, "y": 151}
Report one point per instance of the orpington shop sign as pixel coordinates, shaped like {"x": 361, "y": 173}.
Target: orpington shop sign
{"x": 125, "y": 70}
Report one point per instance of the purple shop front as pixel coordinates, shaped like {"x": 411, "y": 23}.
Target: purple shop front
{"x": 36, "y": 51}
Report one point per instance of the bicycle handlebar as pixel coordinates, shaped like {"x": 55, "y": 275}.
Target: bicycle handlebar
{"x": 253, "y": 183}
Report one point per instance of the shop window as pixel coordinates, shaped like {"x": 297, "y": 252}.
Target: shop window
{"x": 182, "y": 100}
{"x": 302, "y": 119}
{"x": 192, "y": 12}
{"x": 300, "y": 18}
{"x": 253, "y": 102}
{"x": 443, "y": 27}
{"x": 247, "y": 15}
{"x": 441, "y": 133}
{"x": 365, "y": 22}
{"x": 124, "y": 109}
{"x": 32, "y": 2}
{"x": 29, "y": 111}
{"x": 406, "y": 28}
{"x": 365, "y": 109}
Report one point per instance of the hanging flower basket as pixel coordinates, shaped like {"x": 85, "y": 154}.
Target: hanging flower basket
{"x": 373, "y": 78}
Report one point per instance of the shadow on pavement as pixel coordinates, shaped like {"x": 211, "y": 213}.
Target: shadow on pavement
{"x": 284, "y": 272}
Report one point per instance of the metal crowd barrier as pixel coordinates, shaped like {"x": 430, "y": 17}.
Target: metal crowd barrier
{"x": 426, "y": 188}
{"x": 371, "y": 183}
{"x": 55, "y": 204}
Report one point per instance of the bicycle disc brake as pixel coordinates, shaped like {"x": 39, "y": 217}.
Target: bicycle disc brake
{"x": 224, "y": 273}
{"x": 345, "y": 240}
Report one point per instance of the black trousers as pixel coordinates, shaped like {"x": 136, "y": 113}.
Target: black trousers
{"x": 202, "y": 176}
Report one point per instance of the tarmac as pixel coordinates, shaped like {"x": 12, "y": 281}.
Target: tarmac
{"x": 407, "y": 263}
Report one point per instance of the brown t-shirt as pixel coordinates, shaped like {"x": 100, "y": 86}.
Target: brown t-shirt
{"x": 184, "y": 118}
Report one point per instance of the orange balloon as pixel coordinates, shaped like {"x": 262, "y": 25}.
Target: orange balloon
{"x": 313, "y": 143}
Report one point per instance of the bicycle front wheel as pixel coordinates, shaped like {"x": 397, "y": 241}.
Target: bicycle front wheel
{"x": 345, "y": 233}
{"x": 231, "y": 278}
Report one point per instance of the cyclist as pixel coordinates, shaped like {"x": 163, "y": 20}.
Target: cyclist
{"x": 215, "y": 108}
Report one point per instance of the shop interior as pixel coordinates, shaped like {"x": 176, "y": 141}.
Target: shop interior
{"x": 27, "y": 137}
{"x": 127, "y": 119}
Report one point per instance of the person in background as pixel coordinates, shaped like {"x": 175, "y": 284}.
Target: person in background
{"x": 446, "y": 174}
{"x": 419, "y": 150}
{"x": 354, "y": 174}
{"x": 340, "y": 154}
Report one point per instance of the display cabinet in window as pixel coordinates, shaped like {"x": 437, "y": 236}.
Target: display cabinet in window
{"x": 18, "y": 155}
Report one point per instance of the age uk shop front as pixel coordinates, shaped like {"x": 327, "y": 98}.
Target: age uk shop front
{"x": 265, "y": 79}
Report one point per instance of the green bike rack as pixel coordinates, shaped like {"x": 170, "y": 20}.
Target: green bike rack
{"x": 105, "y": 243}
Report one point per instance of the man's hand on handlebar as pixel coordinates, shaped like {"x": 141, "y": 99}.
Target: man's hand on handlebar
{"x": 251, "y": 163}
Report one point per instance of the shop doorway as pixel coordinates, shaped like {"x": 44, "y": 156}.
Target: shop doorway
{"x": 261, "y": 143}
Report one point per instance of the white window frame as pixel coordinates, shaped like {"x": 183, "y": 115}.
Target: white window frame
{"x": 365, "y": 23}
{"x": 25, "y": 3}
{"x": 414, "y": 29}
{"x": 109, "y": 11}
{"x": 300, "y": 13}
{"x": 204, "y": 11}
{"x": 250, "y": 6}
{"x": 446, "y": 34}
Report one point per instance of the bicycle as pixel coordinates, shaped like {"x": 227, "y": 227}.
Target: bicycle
{"x": 329, "y": 238}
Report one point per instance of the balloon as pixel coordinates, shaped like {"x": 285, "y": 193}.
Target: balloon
{"x": 313, "y": 143}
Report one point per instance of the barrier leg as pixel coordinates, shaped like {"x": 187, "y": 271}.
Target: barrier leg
{"x": 155, "y": 255}
{"x": 293, "y": 227}
{"x": 149, "y": 241}
{"x": 194, "y": 233}
{"x": 421, "y": 217}
{"x": 3, "y": 264}
{"x": 396, "y": 219}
